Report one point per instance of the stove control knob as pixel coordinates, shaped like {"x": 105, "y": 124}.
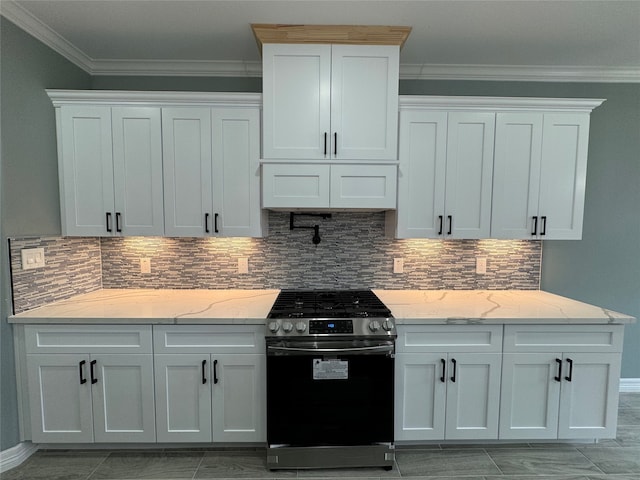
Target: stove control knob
{"x": 301, "y": 327}
{"x": 374, "y": 325}
{"x": 287, "y": 327}
{"x": 274, "y": 327}
{"x": 387, "y": 325}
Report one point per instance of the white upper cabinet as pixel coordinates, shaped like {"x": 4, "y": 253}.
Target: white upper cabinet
{"x": 110, "y": 170}
{"x": 328, "y": 102}
{"x": 540, "y": 175}
{"x": 446, "y": 163}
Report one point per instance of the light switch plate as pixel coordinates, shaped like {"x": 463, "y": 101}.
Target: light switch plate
{"x": 243, "y": 265}
{"x": 398, "y": 265}
{"x": 145, "y": 265}
{"x": 32, "y": 258}
{"x": 481, "y": 265}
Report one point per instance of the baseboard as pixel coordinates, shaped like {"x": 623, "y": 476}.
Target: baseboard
{"x": 14, "y": 456}
{"x": 628, "y": 385}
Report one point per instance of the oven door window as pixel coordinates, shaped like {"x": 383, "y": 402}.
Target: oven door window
{"x": 316, "y": 400}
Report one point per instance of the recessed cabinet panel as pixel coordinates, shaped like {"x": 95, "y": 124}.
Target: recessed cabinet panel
{"x": 292, "y": 186}
{"x": 363, "y": 186}
{"x": 296, "y": 94}
{"x": 86, "y": 170}
{"x": 186, "y": 149}
{"x": 364, "y": 101}
{"x": 563, "y": 175}
{"x": 137, "y": 165}
{"x": 516, "y": 175}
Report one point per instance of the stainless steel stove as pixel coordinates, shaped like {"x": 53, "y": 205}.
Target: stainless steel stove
{"x": 330, "y": 377}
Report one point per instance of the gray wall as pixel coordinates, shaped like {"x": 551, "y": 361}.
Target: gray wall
{"x": 30, "y": 204}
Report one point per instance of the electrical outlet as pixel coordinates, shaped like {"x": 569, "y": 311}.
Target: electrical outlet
{"x": 32, "y": 258}
{"x": 145, "y": 265}
{"x": 398, "y": 265}
{"x": 243, "y": 265}
{"x": 481, "y": 265}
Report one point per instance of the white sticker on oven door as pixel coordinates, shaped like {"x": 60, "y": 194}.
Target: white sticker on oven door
{"x": 330, "y": 369}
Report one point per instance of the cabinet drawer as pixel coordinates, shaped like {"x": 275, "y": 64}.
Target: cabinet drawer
{"x": 88, "y": 338}
{"x": 363, "y": 186}
{"x": 553, "y": 338}
{"x": 295, "y": 186}
{"x": 449, "y": 338}
{"x": 208, "y": 339}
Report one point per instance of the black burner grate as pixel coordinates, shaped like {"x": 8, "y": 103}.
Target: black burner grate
{"x": 328, "y": 304}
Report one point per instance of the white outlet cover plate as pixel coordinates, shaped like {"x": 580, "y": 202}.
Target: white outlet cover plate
{"x": 32, "y": 258}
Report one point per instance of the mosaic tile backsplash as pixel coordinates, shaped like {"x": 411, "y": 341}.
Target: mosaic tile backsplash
{"x": 353, "y": 253}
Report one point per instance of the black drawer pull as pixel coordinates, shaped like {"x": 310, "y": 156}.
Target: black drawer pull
{"x": 93, "y": 376}
{"x": 206, "y": 223}
{"x": 215, "y": 223}
{"x": 215, "y": 371}
{"x": 543, "y": 228}
{"x": 204, "y": 376}
{"x": 444, "y": 366}
{"x": 108, "y": 221}
{"x": 335, "y": 144}
{"x": 118, "y": 225}
{"x": 450, "y": 219}
{"x": 440, "y": 219}
{"x": 535, "y": 225}
{"x": 558, "y": 377}
{"x": 81, "y": 368}
{"x": 569, "y": 377}
{"x": 453, "y": 377}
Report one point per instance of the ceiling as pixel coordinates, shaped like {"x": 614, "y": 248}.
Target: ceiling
{"x": 522, "y": 40}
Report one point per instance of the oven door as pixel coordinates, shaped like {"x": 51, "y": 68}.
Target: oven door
{"x": 330, "y": 393}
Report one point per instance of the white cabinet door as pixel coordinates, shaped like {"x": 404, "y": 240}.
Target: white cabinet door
{"x": 60, "y": 398}
{"x": 363, "y": 186}
{"x": 86, "y": 171}
{"x": 364, "y": 102}
{"x": 296, "y": 101}
{"x": 123, "y": 398}
{"x": 239, "y": 398}
{"x": 186, "y": 146}
{"x": 563, "y": 175}
{"x": 137, "y": 169}
{"x": 473, "y": 396}
{"x": 183, "y": 397}
{"x": 516, "y": 175}
{"x": 291, "y": 186}
{"x": 589, "y": 395}
{"x": 421, "y": 179}
{"x": 420, "y": 394}
{"x": 530, "y": 395}
{"x": 236, "y": 172}
{"x": 470, "y": 138}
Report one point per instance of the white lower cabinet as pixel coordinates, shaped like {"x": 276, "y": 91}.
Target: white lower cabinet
{"x": 452, "y": 393}
{"x": 548, "y": 393}
{"x": 90, "y": 397}
{"x": 203, "y": 395}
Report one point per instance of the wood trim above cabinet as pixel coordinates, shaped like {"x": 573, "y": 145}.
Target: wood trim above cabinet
{"x": 330, "y": 34}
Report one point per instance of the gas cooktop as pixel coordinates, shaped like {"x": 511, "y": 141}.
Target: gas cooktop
{"x": 296, "y": 304}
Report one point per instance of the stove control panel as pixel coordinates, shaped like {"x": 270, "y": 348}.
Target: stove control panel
{"x": 330, "y": 326}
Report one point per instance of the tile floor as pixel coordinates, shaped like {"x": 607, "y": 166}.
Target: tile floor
{"x": 617, "y": 459}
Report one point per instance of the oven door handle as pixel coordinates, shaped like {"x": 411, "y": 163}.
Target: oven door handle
{"x": 388, "y": 349}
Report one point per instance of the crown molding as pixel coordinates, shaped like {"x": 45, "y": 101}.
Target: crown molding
{"x": 15, "y": 13}
{"x": 500, "y": 104}
{"x": 521, "y": 73}
{"x": 153, "y": 98}
{"x": 202, "y": 68}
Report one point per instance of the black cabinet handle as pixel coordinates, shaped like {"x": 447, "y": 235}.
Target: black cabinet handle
{"x": 543, "y": 229}
{"x": 558, "y": 377}
{"x": 444, "y": 366}
{"x": 569, "y": 377}
{"x": 453, "y": 377}
{"x": 335, "y": 144}
{"x": 325, "y": 144}
{"x": 108, "y": 221}
{"x": 215, "y": 223}
{"x": 450, "y": 220}
{"x": 535, "y": 225}
{"x": 204, "y": 376}
{"x": 440, "y": 219}
{"x": 215, "y": 371}
{"x": 206, "y": 223}
{"x": 118, "y": 225}
{"x": 81, "y": 368}
{"x": 93, "y": 377}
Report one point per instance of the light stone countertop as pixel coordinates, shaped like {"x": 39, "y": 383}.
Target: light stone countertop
{"x": 250, "y": 307}
{"x": 492, "y": 307}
